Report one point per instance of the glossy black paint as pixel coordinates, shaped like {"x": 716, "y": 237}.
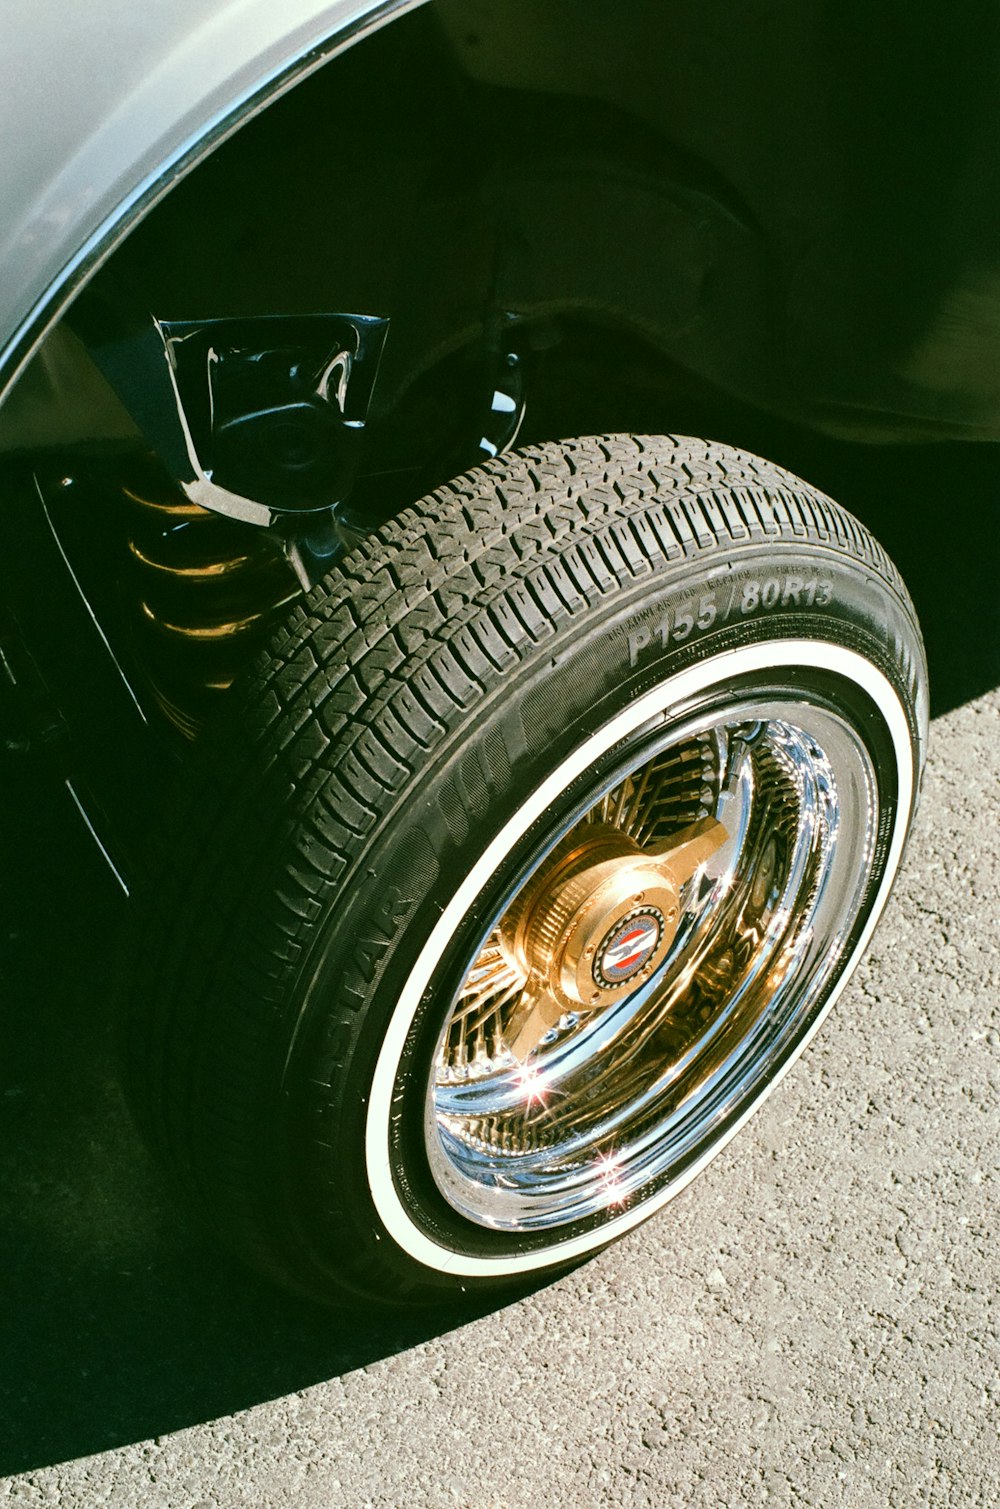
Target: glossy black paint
{"x": 75, "y": 709}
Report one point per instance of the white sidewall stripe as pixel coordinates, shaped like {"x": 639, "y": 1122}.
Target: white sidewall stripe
{"x": 719, "y": 671}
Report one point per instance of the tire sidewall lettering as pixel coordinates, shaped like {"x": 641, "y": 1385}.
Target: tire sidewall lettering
{"x": 779, "y": 594}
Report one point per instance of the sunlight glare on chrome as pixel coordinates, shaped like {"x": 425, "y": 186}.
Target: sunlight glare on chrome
{"x": 608, "y": 1166}
{"x": 532, "y": 1084}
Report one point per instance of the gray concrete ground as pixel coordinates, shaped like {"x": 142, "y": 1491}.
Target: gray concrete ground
{"x": 812, "y": 1322}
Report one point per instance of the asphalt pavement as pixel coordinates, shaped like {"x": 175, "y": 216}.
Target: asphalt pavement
{"x": 811, "y": 1323}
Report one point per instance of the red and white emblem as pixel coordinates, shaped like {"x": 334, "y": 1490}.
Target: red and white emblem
{"x": 628, "y": 947}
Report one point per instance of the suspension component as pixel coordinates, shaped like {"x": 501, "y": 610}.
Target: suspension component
{"x": 205, "y": 590}
{"x": 253, "y": 417}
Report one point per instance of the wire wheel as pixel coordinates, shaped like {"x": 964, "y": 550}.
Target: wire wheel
{"x": 618, "y": 1088}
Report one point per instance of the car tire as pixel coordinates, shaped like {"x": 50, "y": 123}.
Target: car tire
{"x": 651, "y": 692}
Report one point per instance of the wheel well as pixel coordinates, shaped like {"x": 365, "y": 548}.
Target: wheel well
{"x": 423, "y": 176}
{"x": 648, "y": 174}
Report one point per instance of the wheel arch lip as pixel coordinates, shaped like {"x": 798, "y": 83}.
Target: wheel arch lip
{"x": 81, "y": 178}
{"x": 783, "y": 654}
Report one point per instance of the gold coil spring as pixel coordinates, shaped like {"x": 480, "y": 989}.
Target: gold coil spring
{"x": 206, "y": 591}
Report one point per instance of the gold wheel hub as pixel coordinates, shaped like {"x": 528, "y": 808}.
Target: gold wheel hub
{"x": 597, "y": 922}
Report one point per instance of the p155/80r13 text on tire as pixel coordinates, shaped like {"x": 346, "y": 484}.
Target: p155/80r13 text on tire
{"x": 531, "y": 856}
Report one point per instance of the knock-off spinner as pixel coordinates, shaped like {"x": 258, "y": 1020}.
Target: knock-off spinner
{"x": 596, "y": 922}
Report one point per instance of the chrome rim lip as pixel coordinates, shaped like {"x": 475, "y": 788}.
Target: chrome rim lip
{"x": 617, "y": 1156}
{"x": 427, "y": 1244}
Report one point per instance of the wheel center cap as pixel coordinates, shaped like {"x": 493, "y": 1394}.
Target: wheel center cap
{"x": 597, "y": 922}
{"x": 601, "y": 921}
{"x": 628, "y": 947}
